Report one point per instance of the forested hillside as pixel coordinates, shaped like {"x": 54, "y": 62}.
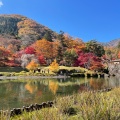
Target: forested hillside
{"x": 20, "y": 27}
{"x": 23, "y": 42}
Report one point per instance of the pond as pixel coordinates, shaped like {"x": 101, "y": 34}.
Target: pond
{"x": 18, "y": 93}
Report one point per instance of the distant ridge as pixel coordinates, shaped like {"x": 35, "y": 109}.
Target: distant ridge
{"x": 113, "y": 43}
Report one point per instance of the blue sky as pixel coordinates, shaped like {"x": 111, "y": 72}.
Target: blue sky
{"x": 86, "y": 19}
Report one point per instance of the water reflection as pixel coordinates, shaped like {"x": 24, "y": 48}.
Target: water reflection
{"x": 16, "y": 93}
{"x": 113, "y": 81}
{"x": 53, "y": 86}
{"x": 31, "y": 87}
{"x": 97, "y": 84}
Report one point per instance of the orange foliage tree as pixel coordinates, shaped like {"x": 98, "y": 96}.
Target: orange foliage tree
{"x": 48, "y": 49}
{"x": 32, "y": 66}
{"x": 68, "y": 43}
{"x": 5, "y": 56}
{"x": 73, "y": 43}
{"x": 97, "y": 66}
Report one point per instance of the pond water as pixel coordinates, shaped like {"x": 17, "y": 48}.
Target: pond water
{"x": 18, "y": 93}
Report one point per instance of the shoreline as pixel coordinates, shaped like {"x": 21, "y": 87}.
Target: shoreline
{"x": 32, "y": 77}
{"x": 38, "y": 77}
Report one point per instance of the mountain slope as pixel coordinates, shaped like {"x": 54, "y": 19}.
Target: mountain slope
{"x": 20, "y": 27}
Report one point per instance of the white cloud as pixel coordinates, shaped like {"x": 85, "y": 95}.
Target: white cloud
{"x": 1, "y": 3}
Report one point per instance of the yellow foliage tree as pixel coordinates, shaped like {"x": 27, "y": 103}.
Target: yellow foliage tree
{"x": 54, "y": 66}
{"x": 32, "y": 65}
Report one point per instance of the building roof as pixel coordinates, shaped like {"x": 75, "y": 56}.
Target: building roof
{"x": 117, "y": 60}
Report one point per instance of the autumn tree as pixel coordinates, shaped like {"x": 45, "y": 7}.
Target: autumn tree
{"x": 46, "y": 48}
{"x": 32, "y": 66}
{"x": 27, "y": 58}
{"x": 15, "y": 45}
{"x": 54, "y": 66}
{"x": 89, "y": 61}
{"x": 76, "y": 43}
{"x": 5, "y": 55}
{"x": 29, "y": 50}
{"x": 97, "y": 66}
{"x": 68, "y": 43}
{"x": 41, "y": 60}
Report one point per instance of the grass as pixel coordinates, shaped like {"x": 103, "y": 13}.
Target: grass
{"x": 11, "y": 69}
{"x": 80, "y": 106}
{"x": 18, "y": 71}
{"x": 93, "y": 106}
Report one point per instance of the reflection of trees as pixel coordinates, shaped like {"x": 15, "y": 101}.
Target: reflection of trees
{"x": 83, "y": 87}
{"x": 30, "y": 87}
{"x": 53, "y": 86}
{"x": 39, "y": 93}
{"x": 96, "y": 83}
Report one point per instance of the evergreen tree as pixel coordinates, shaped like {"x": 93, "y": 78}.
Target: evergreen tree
{"x": 94, "y": 47}
{"x": 48, "y": 36}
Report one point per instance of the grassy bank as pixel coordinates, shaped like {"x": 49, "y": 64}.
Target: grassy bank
{"x": 45, "y": 71}
{"x": 11, "y": 69}
{"x": 80, "y": 106}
